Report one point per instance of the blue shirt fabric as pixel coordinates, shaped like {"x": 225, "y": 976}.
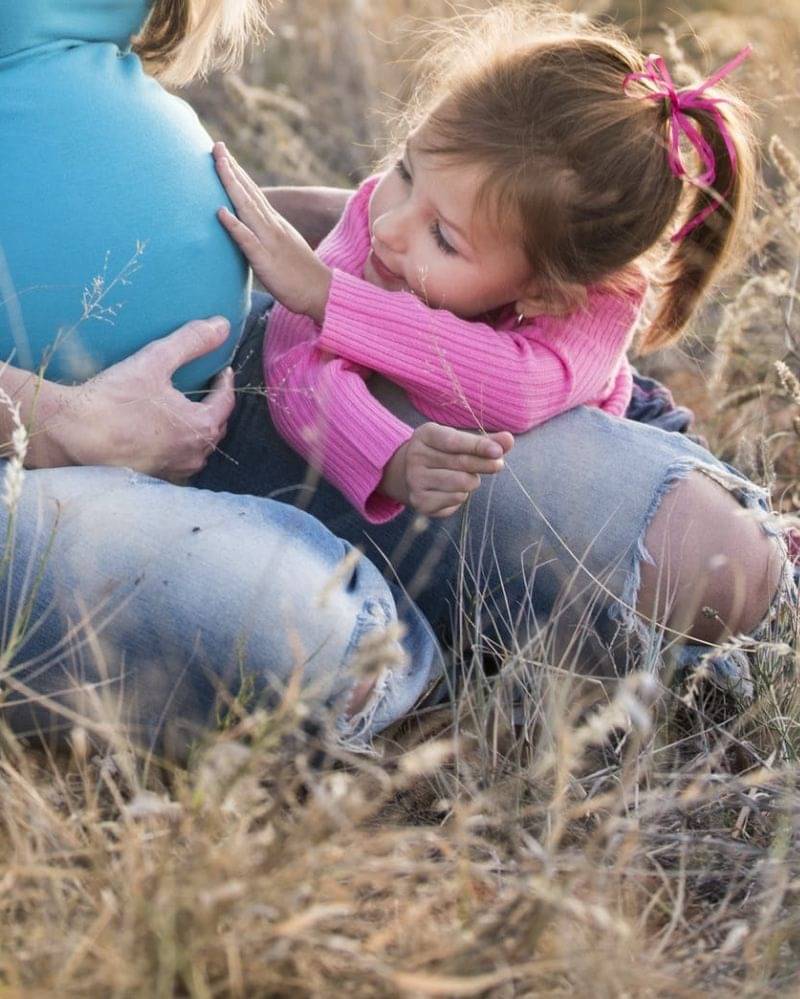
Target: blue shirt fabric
{"x": 108, "y": 232}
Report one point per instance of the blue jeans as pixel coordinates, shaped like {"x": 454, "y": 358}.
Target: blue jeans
{"x": 149, "y": 606}
{"x": 544, "y": 558}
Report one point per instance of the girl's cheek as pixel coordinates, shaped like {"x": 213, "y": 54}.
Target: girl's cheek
{"x": 382, "y": 196}
{"x": 374, "y": 208}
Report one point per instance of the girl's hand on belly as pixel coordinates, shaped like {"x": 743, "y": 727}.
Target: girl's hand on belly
{"x": 131, "y": 415}
{"x": 281, "y": 258}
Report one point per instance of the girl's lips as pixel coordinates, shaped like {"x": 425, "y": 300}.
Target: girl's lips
{"x": 382, "y": 270}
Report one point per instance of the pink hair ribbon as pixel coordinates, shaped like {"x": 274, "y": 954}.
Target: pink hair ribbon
{"x": 680, "y": 102}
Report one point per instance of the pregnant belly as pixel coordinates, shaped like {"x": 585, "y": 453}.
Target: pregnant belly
{"x": 108, "y": 234}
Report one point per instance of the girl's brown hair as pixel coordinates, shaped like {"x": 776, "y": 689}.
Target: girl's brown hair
{"x": 539, "y": 100}
{"x": 186, "y": 38}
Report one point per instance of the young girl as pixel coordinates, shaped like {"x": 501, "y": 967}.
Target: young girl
{"x": 491, "y": 272}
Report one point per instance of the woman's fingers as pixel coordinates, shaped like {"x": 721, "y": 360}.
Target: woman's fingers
{"x": 192, "y": 340}
{"x": 220, "y": 401}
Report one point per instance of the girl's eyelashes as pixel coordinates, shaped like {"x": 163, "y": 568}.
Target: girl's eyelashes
{"x": 441, "y": 242}
{"x": 401, "y": 169}
{"x": 436, "y": 231}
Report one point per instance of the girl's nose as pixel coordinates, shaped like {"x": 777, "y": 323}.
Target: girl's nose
{"x": 390, "y": 229}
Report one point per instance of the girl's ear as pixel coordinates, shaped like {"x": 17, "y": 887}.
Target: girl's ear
{"x": 551, "y": 300}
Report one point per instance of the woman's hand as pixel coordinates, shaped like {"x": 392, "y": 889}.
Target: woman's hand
{"x": 438, "y": 467}
{"x": 131, "y": 415}
{"x": 281, "y": 258}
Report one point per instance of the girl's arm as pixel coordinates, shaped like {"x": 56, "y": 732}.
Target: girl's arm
{"x": 322, "y": 407}
{"x": 472, "y": 374}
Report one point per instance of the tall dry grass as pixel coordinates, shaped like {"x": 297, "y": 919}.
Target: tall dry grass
{"x": 606, "y": 841}
{"x": 629, "y": 848}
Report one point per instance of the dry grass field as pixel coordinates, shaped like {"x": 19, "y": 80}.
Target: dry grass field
{"x": 612, "y": 843}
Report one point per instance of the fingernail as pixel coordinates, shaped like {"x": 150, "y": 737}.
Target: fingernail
{"x": 494, "y": 450}
{"x": 220, "y": 324}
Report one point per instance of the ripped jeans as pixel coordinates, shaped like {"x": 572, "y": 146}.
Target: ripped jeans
{"x": 138, "y": 609}
{"x": 546, "y": 554}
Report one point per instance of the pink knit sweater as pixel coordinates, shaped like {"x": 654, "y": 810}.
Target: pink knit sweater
{"x": 459, "y": 372}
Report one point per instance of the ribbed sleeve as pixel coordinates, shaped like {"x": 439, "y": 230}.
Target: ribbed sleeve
{"x": 619, "y": 397}
{"x": 469, "y": 373}
{"x": 322, "y": 407}
{"x": 320, "y": 404}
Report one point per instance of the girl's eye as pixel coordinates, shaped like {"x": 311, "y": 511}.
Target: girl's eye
{"x": 401, "y": 169}
{"x": 441, "y": 242}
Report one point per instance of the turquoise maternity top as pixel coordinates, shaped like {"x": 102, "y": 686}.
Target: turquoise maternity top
{"x": 108, "y": 194}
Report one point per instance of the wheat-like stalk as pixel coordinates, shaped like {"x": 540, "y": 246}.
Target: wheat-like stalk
{"x": 789, "y": 381}
{"x": 786, "y": 162}
{"x": 15, "y": 465}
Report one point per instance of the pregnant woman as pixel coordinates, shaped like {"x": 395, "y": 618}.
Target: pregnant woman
{"x": 148, "y": 599}
{"x": 127, "y": 599}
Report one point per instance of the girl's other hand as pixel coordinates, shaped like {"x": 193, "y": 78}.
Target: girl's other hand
{"x": 283, "y": 261}
{"x": 131, "y": 414}
{"x": 438, "y": 467}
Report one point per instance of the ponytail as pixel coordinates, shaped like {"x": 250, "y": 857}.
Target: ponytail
{"x": 717, "y": 216}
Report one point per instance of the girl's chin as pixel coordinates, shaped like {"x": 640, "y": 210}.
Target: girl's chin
{"x": 371, "y": 276}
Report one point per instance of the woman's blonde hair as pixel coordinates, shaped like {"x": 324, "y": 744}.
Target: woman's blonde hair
{"x": 578, "y": 165}
{"x": 183, "y": 39}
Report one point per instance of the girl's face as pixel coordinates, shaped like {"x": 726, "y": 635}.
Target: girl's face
{"x": 428, "y": 239}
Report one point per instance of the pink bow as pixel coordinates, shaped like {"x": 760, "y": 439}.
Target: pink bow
{"x": 681, "y": 101}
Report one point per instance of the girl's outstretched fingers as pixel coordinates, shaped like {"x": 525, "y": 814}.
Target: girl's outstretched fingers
{"x": 243, "y": 191}
{"x": 283, "y": 261}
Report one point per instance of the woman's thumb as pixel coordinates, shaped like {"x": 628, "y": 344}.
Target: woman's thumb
{"x": 192, "y": 340}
